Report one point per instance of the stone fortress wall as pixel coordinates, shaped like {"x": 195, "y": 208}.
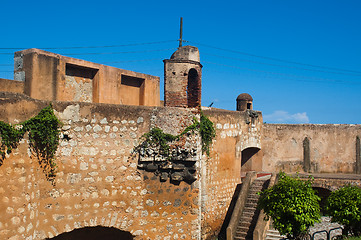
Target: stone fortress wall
{"x": 329, "y": 148}
{"x": 99, "y": 181}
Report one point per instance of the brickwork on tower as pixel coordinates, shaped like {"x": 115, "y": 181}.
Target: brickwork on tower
{"x": 183, "y": 78}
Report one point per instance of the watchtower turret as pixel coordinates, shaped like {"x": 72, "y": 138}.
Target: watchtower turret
{"x": 183, "y": 78}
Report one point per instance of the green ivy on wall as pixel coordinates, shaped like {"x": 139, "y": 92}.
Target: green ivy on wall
{"x": 156, "y": 138}
{"x": 44, "y": 134}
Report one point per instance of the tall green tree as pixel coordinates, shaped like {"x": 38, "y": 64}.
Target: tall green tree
{"x": 292, "y": 204}
{"x": 344, "y": 207}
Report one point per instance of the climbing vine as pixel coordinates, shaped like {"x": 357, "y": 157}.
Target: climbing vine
{"x": 10, "y": 138}
{"x": 156, "y": 138}
{"x": 44, "y": 135}
{"x": 207, "y": 131}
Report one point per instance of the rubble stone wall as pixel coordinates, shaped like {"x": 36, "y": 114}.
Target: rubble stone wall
{"x": 332, "y": 147}
{"x": 101, "y": 181}
{"x": 98, "y": 180}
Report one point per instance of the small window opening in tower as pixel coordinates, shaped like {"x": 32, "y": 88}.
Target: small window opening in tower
{"x": 249, "y": 105}
{"x": 193, "y": 88}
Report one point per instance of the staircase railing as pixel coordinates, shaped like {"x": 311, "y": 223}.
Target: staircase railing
{"x": 239, "y": 207}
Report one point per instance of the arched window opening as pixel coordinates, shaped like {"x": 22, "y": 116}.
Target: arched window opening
{"x": 193, "y": 90}
{"x": 94, "y": 233}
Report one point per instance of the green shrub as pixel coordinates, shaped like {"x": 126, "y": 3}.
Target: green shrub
{"x": 344, "y": 207}
{"x": 292, "y": 204}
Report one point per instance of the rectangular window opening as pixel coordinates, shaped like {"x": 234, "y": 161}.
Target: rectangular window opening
{"x": 80, "y": 71}
{"x": 132, "y": 81}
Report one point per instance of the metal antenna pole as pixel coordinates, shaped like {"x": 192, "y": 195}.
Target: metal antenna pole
{"x": 181, "y": 33}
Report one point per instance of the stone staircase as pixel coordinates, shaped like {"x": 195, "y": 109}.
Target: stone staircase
{"x": 273, "y": 234}
{"x": 250, "y": 213}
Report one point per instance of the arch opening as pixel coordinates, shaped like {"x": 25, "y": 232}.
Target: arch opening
{"x": 94, "y": 233}
{"x": 193, "y": 91}
{"x": 249, "y": 160}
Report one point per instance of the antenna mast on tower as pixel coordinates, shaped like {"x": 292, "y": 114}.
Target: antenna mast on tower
{"x": 181, "y": 32}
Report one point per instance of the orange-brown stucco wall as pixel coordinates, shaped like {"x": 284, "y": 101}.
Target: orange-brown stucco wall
{"x": 50, "y": 76}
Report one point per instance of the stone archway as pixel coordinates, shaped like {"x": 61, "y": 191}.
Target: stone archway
{"x": 250, "y": 161}
{"x": 94, "y": 233}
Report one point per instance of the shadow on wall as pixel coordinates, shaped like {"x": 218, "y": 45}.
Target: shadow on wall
{"x": 94, "y": 233}
{"x": 222, "y": 234}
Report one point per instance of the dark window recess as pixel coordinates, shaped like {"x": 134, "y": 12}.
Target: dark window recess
{"x": 193, "y": 91}
{"x": 248, "y": 105}
{"x": 80, "y": 71}
{"x": 132, "y": 81}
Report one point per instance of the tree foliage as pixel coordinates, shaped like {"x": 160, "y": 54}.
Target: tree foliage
{"x": 292, "y": 204}
{"x": 344, "y": 207}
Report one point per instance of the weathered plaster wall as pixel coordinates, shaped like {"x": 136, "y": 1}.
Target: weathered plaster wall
{"x": 221, "y": 172}
{"x": 332, "y": 147}
{"x": 68, "y": 79}
{"x": 7, "y": 85}
{"x": 98, "y": 182}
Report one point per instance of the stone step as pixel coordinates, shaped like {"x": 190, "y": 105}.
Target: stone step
{"x": 239, "y": 238}
{"x": 241, "y": 234}
{"x": 253, "y": 196}
{"x": 256, "y": 188}
{"x": 255, "y": 191}
{"x": 252, "y": 200}
{"x": 273, "y": 234}
{"x": 248, "y": 214}
{"x": 273, "y": 238}
{"x": 250, "y": 205}
{"x": 245, "y": 224}
{"x": 242, "y": 229}
{"x": 250, "y": 209}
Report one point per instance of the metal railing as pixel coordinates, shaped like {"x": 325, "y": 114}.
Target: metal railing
{"x": 328, "y": 234}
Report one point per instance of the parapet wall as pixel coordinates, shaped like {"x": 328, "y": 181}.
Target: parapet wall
{"x": 332, "y": 148}
{"x": 7, "y": 85}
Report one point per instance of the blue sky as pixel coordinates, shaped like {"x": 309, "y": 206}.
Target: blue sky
{"x": 245, "y": 46}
